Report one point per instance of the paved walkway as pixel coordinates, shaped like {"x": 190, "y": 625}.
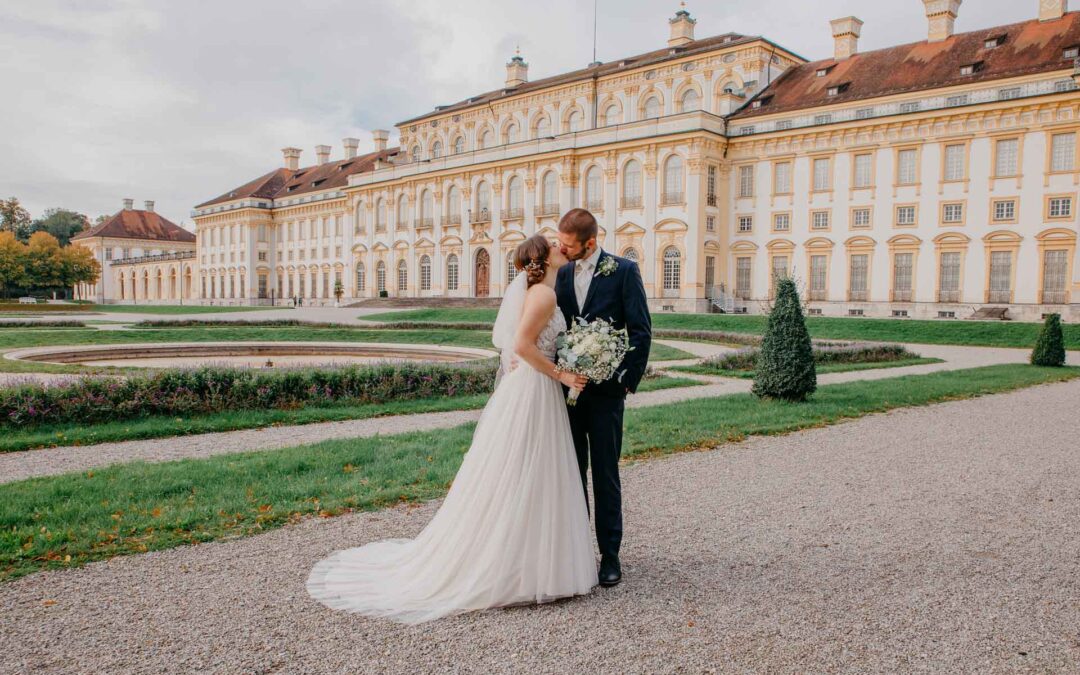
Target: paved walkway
{"x": 937, "y": 539}
{"x": 51, "y": 461}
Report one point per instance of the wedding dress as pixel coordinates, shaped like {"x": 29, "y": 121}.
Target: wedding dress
{"x": 514, "y": 527}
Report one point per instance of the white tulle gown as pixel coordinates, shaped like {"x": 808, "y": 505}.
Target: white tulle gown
{"x": 513, "y": 528}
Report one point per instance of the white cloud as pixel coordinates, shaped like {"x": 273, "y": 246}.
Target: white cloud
{"x": 180, "y": 101}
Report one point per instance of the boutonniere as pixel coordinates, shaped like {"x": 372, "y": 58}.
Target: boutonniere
{"x": 607, "y": 266}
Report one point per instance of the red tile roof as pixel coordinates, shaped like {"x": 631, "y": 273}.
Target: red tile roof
{"x": 1029, "y": 47}
{"x": 137, "y": 224}
{"x": 286, "y": 182}
{"x": 649, "y": 58}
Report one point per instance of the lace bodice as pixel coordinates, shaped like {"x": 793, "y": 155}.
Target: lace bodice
{"x": 546, "y": 340}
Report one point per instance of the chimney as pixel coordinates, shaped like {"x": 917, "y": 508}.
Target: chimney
{"x": 380, "y": 136}
{"x": 351, "y": 144}
{"x": 322, "y": 153}
{"x": 148, "y": 205}
{"x": 292, "y": 158}
{"x": 129, "y": 204}
{"x": 517, "y": 71}
{"x": 1052, "y": 9}
{"x": 682, "y": 28}
{"x": 941, "y": 15}
{"x": 845, "y": 34}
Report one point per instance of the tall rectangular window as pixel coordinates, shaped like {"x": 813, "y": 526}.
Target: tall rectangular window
{"x": 1000, "y": 276}
{"x": 907, "y": 167}
{"x": 710, "y": 191}
{"x": 818, "y": 275}
{"x": 822, "y": 174}
{"x": 949, "y": 278}
{"x": 710, "y": 223}
{"x": 746, "y": 181}
{"x": 1055, "y": 277}
{"x": 954, "y": 162}
{"x": 1063, "y": 152}
{"x": 1006, "y": 156}
{"x": 742, "y": 278}
{"x": 782, "y": 178}
{"x": 864, "y": 170}
{"x": 710, "y": 274}
{"x": 857, "y": 279}
{"x": 903, "y": 264}
{"x": 779, "y": 270}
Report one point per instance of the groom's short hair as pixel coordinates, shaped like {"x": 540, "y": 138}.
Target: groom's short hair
{"x": 580, "y": 223}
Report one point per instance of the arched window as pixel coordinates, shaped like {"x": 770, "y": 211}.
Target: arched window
{"x": 402, "y": 276}
{"x": 672, "y": 269}
{"x": 380, "y": 277}
{"x": 511, "y": 270}
{"x": 402, "y": 212}
{"x": 651, "y": 108}
{"x": 487, "y": 139}
{"x": 513, "y": 197}
{"x": 436, "y": 150}
{"x": 459, "y": 145}
{"x": 543, "y": 127}
{"x": 631, "y": 186}
{"x": 511, "y": 135}
{"x": 573, "y": 122}
{"x": 453, "y": 205}
{"x": 425, "y": 272}
{"x": 380, "y": 217}
{"x": 483, "y": 203}
{"x": 594, "y": 196}
{"x": 630, "y": 253}
{"x": 690, "y": 101}
{"x": 611, "y": 115}
{"x": 361, "y": 278}
{"x": 427, "y": 208}
{"x": 452, "y": 272}
{"x": 673, "y": 180}
{"x": 549, "y": 194}
{"x": 415, "y": 153}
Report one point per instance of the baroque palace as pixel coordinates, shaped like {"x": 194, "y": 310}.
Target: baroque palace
{"x": 931, "y": 179}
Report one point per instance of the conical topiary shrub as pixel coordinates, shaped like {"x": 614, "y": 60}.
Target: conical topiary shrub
{"x": 785, "y": 366}
{"x": 1050, "y": 347}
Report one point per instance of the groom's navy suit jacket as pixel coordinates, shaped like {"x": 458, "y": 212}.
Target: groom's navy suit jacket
{"x": 618, "y": 297}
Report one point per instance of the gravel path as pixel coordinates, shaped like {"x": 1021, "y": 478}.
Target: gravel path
{"x": 940, "y": 538}
{"x": 51, "y": 461}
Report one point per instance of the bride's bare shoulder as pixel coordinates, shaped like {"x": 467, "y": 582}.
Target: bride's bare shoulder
{"x": 542, "y": 293}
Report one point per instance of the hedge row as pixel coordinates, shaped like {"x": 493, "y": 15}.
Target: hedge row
{"x": 746, "y": 359}
{"x": 42, "y": 324}
{"x": 184, "y": 392}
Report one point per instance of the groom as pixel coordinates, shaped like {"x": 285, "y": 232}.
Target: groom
{"x": 596, "y": 284}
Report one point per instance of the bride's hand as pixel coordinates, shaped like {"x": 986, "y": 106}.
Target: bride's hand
{"x": 575, "y": 382}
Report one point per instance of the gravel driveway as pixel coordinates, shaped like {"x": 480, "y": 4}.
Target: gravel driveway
{"x": 941, "y": 538}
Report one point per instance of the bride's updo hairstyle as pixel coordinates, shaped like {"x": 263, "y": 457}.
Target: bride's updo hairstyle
{"x": 531, "y": 257}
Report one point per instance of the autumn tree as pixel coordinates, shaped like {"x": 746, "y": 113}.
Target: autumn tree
{"x": 44, "y": 265}
{"x": 14, "y": 218}
{"x": 78, "y": 266}
{"x": 12, "y": 261}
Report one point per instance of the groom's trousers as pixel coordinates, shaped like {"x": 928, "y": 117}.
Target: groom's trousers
{"x": 596, "y": 423}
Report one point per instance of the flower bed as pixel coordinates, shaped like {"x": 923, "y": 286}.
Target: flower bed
{"x": 204, "y": 390}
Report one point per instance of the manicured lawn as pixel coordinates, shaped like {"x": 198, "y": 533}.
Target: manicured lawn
{"x": 702, "y": 369}
{"x": 952, "y": 332}
{"x": 68, "y": 520}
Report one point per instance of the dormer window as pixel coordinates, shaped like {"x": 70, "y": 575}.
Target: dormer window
{"x": 344, "y": 166}
{"x": 317, "y": 183}
{"x": 971, "y": 68}
{"x": 995, "y": 41}
{"x": 763, "y": 101}
{"x": 822, "y": 72}
{"x": 838, "y": 89}
{"x": 1071, "y": 52}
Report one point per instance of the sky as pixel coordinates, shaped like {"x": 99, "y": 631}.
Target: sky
{"x": 178, "y": 101}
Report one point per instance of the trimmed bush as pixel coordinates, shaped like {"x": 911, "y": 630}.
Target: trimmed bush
{"x": 746, "y": 359}
{"x": 183, "y": 392}
{"x": 785, "y": 367}
{"x": 1050, "y": 347}
{"x": 42, "y": 324}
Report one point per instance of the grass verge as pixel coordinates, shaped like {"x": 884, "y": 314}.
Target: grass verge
{"x": 68, "y": 520}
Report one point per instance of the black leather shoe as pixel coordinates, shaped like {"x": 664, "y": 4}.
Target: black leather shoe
{"x": 610, "y": 571}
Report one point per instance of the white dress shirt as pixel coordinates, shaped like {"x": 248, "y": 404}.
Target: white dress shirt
{"x": 584, "y": 270}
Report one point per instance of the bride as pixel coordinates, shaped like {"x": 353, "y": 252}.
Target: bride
{"x": 514, "y": 527}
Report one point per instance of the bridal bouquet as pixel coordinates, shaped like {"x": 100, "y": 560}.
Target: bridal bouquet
{"x": 593, "y": 349}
